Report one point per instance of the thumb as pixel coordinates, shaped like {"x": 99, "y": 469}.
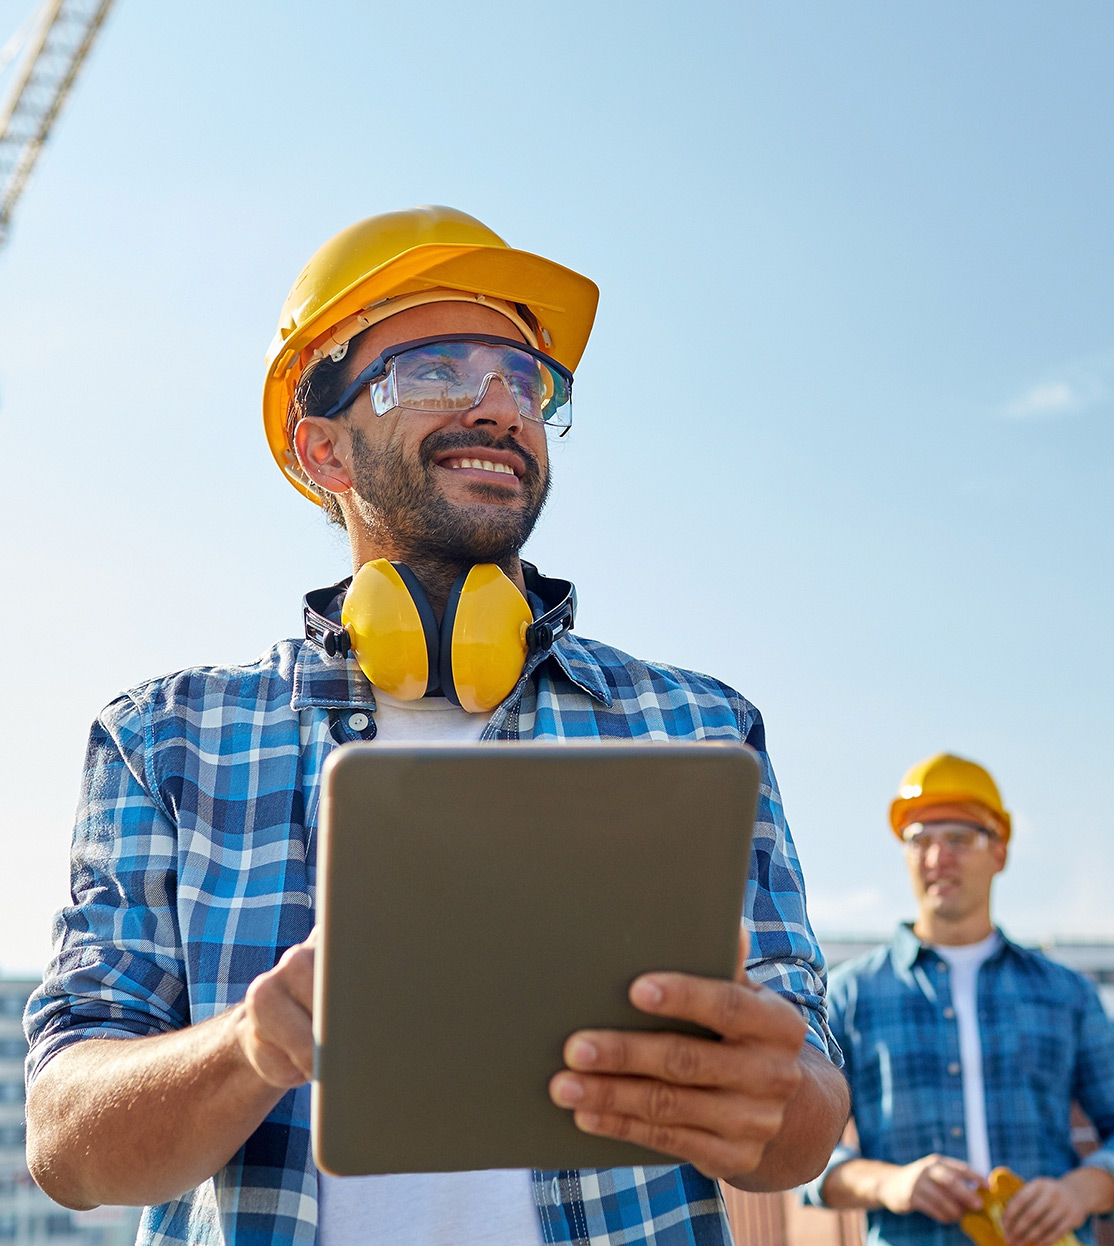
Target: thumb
{"x": 744, "y": 952}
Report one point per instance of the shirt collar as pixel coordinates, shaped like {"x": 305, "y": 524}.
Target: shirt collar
{"x": 323, "y": 682}
{"x": 581, "y": 665}
{"x": 906, "y": 947}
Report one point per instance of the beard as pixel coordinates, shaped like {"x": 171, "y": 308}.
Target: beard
{"x": 399, "y": 500}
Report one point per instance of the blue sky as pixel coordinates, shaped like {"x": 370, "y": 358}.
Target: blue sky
{"x": 843, "y": 432}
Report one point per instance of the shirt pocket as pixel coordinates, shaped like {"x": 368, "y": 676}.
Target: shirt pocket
{"x": 1036, "y": 1049}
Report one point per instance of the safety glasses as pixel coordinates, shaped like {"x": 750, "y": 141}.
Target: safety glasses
{"x": 955, "y": 836}
{"x": 449, "y": 373}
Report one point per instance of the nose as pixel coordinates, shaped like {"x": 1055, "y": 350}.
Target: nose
{"x": 496, "y": 405}
{"x": 932, "y": 855}
{"x": 937, "y": 852}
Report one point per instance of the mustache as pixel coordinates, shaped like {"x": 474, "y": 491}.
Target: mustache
{"x": 439, "y": 443}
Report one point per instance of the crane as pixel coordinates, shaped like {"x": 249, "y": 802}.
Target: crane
{"x": 54, "y": 55}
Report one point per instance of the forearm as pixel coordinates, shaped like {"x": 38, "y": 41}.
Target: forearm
{"x": 141, "y": 1121}
{"x": 857, "y": 1183}
{"x": 1092, "y": 1188}
{"x": 811, "y": 1127}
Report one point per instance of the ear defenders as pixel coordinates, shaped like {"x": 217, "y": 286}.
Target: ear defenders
{"x": 474, "y": 657}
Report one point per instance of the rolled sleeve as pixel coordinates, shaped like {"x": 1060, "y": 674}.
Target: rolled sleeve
{"x": 117, "y": 970}
{"x": 784, "y": 953}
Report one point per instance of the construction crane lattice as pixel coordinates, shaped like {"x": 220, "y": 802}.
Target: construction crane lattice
{"x": 43, "y": 79}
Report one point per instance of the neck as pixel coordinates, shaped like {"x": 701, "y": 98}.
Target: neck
{"x": 436, "y": 575}
{"x": 953, "y": 932}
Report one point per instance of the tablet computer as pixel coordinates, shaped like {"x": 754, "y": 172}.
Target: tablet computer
{"x": 479, "y": 902}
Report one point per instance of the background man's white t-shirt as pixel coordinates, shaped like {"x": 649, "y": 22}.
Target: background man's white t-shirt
{"x": 964, "y": 963}
{"x": 491, "y": 1208}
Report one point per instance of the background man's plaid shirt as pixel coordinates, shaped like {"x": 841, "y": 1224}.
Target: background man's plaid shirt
{"x": 193, "y": 870}
{"x": 1045, "y": 1042}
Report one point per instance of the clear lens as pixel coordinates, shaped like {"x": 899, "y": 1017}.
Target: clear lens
{"x": 454, "y": 376}
{"x": 384, "y": 393}
{"x": 955, "y": 838}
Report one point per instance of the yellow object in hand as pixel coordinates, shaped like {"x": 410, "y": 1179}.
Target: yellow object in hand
{"x": 984, "y": 1227}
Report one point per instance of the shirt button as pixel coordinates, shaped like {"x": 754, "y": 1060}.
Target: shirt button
{"x": 358, "y": 722}
{"x": 949, "y": 1013}
{"x": 953, "y": 1068}
{"x": 941, "y": 967}
{"x": 957, "y": 1132}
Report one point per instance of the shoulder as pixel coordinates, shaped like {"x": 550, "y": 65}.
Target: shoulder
{"x": 861, "y": 974}
{"x": 197, "y": 691}
{"x": 633, "y": 682}
{"x": 611, "y": 659}
{"x": 1056, "y": 978}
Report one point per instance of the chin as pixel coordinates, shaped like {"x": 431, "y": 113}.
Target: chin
{"x": 951, "y": 912}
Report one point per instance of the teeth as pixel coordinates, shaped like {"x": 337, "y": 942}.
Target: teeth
{"x": 484, "y": 465}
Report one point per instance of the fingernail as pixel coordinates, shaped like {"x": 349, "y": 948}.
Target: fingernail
{"x": 589, "y": 1122}
{"x": 583, "y": 1053}
{"x": 647, "y": 993}
{"x": 568, "y": 1091}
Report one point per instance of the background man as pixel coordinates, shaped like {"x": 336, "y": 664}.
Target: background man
{"x": 417, "y": 364}
{"x": 964, "y": 1051}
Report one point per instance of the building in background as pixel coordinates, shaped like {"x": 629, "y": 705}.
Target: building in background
{"x": 26, "y": 1214}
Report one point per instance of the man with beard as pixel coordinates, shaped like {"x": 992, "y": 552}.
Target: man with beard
{"x": 418, "y": 364}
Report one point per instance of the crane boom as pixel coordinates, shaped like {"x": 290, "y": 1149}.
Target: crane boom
{"x": 44, "y": 78}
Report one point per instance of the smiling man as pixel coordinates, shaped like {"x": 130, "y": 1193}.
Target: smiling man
{"x": 963, "y": 1050}
{"x": 419, "y": 366}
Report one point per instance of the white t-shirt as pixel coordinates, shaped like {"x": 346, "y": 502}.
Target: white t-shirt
{"x": 490, "y": 1208}
{"x": 964, "y": 963}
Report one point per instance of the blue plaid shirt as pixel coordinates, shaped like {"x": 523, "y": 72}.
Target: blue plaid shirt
{"x": 1045, "y": 1042}
{"x": 193, "y": 870}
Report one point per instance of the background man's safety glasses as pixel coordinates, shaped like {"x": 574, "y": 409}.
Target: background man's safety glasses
{"x": 449, "y": 373}
{"x": 957, "y": 838}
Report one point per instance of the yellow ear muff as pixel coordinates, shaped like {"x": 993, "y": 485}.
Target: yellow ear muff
{"x": 483, "y": 639}
{"x": 474, "y": 658}
{"x": 392, "y": 628}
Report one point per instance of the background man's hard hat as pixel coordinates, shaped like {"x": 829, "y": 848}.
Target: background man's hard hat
{"x": 949, "y": 787}
{"x": 387, "y": 262}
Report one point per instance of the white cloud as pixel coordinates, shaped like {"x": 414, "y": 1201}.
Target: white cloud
{"x": 1077, "y": 386}
{"x": 1053, "y": 398}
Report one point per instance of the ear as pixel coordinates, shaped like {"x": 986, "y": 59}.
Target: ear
{"x": 320, "y": 445}
{"x": 1000, "y": 849}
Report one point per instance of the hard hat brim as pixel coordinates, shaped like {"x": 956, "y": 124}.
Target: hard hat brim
{"x": 902, "y": 808}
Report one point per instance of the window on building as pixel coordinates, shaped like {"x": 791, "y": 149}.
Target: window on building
{"x": 12, "y": 1005}
{"x": 11, "y": 1135}
{"x": 11, "y": 1092}
{"x": 12, "y": 1048}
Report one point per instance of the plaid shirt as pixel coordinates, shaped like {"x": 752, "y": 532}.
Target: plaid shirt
{"x": 193, "y": 870}
{"x": 1045, "y": 1042}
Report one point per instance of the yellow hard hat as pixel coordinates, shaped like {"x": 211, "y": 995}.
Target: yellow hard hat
{"x": 947, "y": 780}
{"x": 407, "y": 253}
